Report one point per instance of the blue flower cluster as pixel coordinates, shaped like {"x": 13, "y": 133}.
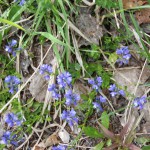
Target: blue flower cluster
{"x": 55, "y": 91}
{"x": 70, "y": 117}
{"x": 59, "y": 147}
{"x": 12, "y": 83}
{"x": 22, "y": 2}
{"x": 64, "y": 79}
{"x": 71, "y": 98}
{"x": 8, "y": 137}
{"x": 139, "y": 102}
{"x": 96, "y": 83}
{"x": 11, "y": 47}
{"x": 97, "y": 105}
{"x": 11, "y": 119}
{"x": 115, "y": 91}
{"x": 46, "y": 69}
{"x": 124, "y": 55}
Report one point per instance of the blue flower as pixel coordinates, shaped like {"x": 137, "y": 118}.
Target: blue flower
{"x": 64, "y": 79}
{"x": 59, "y": 147}
{"x": 115, "y": 91}
{"x": 11, "y": 47}
{"x": 46, "y": 69}
{"x": 70, "y": 117}
{"x": 124, "y": 54}
{"x": 12, "y": 83}
{"x": 97, "y": 104}
{"x": 8, "y": 138}
{"x": 96, "y": 83}
{"x": 71, "y": 98}
{"x": 139, "y": 102}
{"x": 22, "y": 2}
{"x": 11, "y": 119}
{"x": 55, "y": 91}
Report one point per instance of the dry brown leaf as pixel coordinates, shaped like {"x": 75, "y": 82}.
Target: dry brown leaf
{"x": 88, "y": 25}
{"x": 51, "y": 140}
{"x": 146, "y": 128}
{"x": 129, "y": 79}
{"x": 40, "y": 146}
{"x": 143, "y": 16}
{"x": 127, "y": 4}
{"x": 146, "y": 111}
{"x": 38, "y": 87}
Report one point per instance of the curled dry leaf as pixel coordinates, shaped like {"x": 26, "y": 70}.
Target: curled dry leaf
{"x": 64, "y": 135}
{"x": 51, "y": 140}
{"x": 128, "y": 4}
{"x": 40, "y": 146}
{"x": 143, "y": 16}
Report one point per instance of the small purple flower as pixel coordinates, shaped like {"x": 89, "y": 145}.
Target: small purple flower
{"x": 96, "y": 83}
{"x": 71, "y": 98}
{"x": 59, "y": 147}
{"x": 55, "y": 91}
{"x": 97, "y": 104}
{"x": 8, "y": 138}
{"x": 115, "y": 91}
{"x": 64, "y": 79}
{"x": 70, "y": 117}
{"x": 139, "y": 102}
{"x": 11, "y": 119}
{"x": 22, "y": 2}
{"x": 11, "y": 47}
{"x": 46, "y": 69}
{"x": 124, "y": 54}
{"x": 12, "y": 83}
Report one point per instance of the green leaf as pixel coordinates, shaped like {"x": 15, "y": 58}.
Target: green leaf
{"x": 0, "y": 39}
{"x": 99, "y": 146}
{"x": 2, "y": 146}
{"x": 92, "y": 132}
{"x": 146, "y": 148}
{"x": 13, "y": 11}
{"x": 107, "y": 3}
{"x": 51, "y": 37}
{"x": 105, "y": 119}
{"x": 109, "y": 142}
{"x": 113, "y": 57}
{"x": 11, "y": 23}
{"x": 106, "y": 79}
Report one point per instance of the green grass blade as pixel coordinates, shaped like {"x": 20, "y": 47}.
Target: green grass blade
{"x": 11, "y": 24}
